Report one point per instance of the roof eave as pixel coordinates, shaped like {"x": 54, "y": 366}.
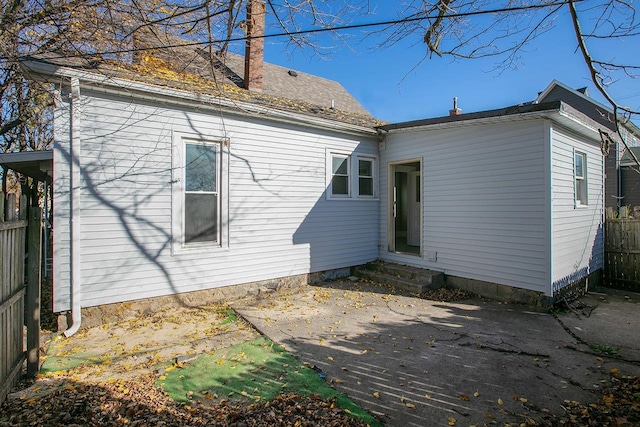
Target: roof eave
{"x": 482, "y": 117}
{"x": 36, "y": 164}
{"x": 557, "y": 111}
{"x": 150, "y": 92}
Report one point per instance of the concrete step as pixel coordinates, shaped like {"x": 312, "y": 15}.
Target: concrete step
{"x": 405, "y": 271}
{"x": 412, "y": 279}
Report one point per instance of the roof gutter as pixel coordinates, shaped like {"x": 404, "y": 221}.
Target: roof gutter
{"x": 136, "y": 90}
{"x": 76, "y": 294}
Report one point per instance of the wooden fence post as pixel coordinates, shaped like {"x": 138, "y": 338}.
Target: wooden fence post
{"x": 34, "y": 242}
{"x": 10, "y": 208}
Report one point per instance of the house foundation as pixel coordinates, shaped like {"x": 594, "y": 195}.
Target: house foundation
{"x": 110, "y": 313}
{"x": 535, "y": 300}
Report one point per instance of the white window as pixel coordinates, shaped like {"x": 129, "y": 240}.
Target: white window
{"x": 340, "y": 175}
{"x": 351, "y": 176}
{"x": 198, "y": 189}
{"x": 366, "y": 184}
{"x": 201, "y": 222}
{"x": 580, "y": 178}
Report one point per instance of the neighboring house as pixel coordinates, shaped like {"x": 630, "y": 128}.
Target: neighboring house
{"x": 630, "y": 177}
{"x": 622, "y": 185}
{"x": 167, "y": 183}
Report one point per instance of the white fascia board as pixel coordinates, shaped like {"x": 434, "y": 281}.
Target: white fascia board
{"x": 578, "y": 122}
{"x": 148, "y": 92}
{"x": 566, "y": 116}
{"x": 473, "y": 122}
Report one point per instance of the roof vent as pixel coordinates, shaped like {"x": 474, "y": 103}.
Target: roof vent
{"x": 584, "y": 91}
{"x": 293, "y": 73}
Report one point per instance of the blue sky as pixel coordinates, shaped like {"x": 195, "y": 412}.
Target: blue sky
{"x": 395, "y": 86}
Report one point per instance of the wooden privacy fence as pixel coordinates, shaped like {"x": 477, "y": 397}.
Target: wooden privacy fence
{"x": 622, "y": 253}
{"x": 15, "y": 295}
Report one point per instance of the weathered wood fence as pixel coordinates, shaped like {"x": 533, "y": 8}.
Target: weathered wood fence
{"x": 622, "y": 253}
{"x": 15, "y": 295}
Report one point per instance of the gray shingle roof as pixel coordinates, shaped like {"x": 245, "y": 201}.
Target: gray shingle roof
{"x": 278, "y": 81}
{"x": 189, "y": 69}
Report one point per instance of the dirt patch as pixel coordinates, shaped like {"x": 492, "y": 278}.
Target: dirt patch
{"x": 616, "y": 405}
{"x": 136, "y": 346}
{"x": 139, "y": 403}
{"x": 448, "y": 295}
{"x": 216, "y": 368}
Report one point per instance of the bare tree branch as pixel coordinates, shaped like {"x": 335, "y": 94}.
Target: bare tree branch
{"x": 597, "y": 78}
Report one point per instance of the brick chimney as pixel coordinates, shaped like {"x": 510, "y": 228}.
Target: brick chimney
{"x": 456, "y": 111}
{"x": 254, "y": 49}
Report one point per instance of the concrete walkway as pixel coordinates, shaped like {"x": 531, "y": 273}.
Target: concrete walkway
{"x": 414, "y": 362}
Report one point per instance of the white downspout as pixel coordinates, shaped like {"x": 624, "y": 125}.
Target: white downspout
{"x": 76, "y": 296}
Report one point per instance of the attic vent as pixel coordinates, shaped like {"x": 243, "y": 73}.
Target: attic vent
{"x": 584, "y": 91}
{"x": 293, "y": 73}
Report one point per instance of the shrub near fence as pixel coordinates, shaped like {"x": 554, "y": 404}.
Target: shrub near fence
{"x": 12, "y": 293}
{"x": 622, "y": 253}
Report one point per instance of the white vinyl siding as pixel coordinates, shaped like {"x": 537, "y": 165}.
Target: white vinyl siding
{"x": 279, "y": 222}
{"x": 483, "y": 201}
{"x": 61, "y": 206}
{"x": 577, "y": 234}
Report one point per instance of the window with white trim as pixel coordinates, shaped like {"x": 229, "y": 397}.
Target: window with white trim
{"x": 580, "y": 178}
{"x": 197, "y": 193}
{"x": 366, "y": 182}
{"x": 351, "y": 176}
{"x": 340, "y": 175}
{"x": 201, "y": 222}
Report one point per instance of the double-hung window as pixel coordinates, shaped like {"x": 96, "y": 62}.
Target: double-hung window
{"x": 580, "y": 178}
{"x": 198, "y": 191}
{"x": 365, "y": 177}
{"x": 201, "y": 222}
{"x": 351, "y": 176}
{"x": 340, "y": 175}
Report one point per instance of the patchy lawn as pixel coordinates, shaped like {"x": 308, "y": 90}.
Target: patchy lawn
{"x": 187, "y": 366}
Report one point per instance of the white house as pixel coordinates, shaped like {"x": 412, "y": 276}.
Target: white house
{"x": 160, "y": 192}
{"x": 510, "y": 197}
{"x": 166, "y": 184}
